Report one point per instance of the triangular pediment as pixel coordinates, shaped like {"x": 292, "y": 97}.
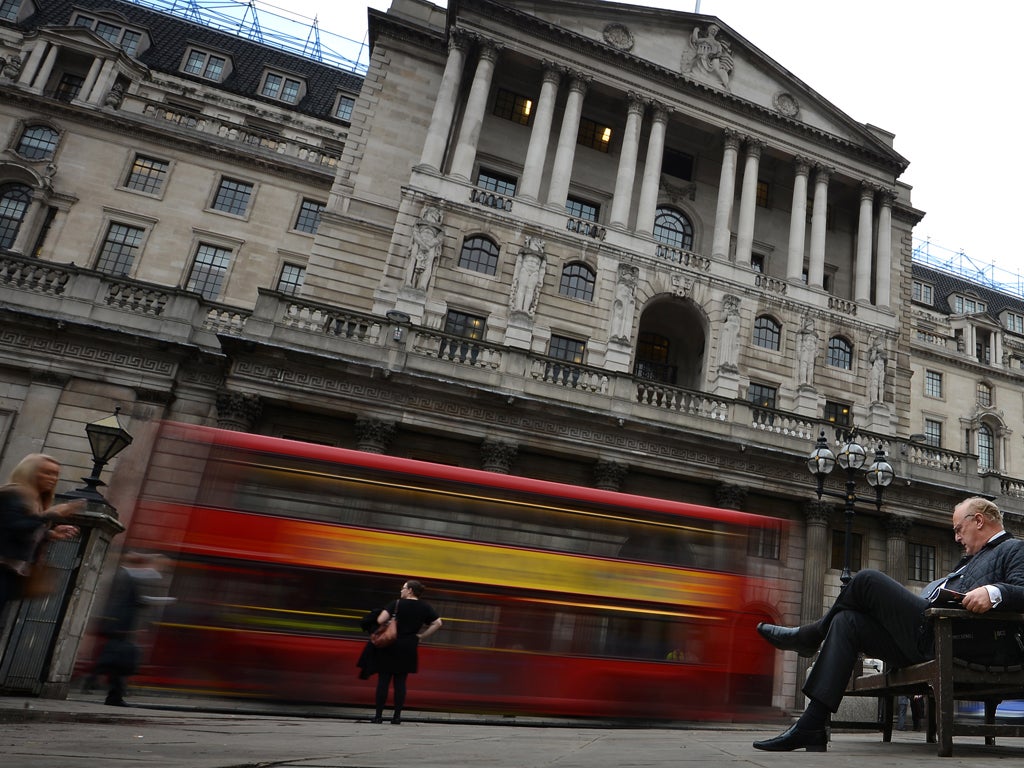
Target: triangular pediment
{"x": 700, "y": 50}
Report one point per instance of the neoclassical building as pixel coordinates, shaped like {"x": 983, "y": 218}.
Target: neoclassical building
{"x": 583, "y": 241}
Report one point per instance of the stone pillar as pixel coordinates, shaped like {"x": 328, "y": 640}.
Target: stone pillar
{"x": 90, "y": 79}
{"x": 862, "y": 284}
{"x": 608, "y": 475}
{"x": 34, "y": 420}
{"x": 730, "y": 496}
{"x": 623, "y": 198}
{"x": 498, "y": 455}
{"x": 374, "y": 435}
{"x": 33, "y": 214}
{"x": 565, "y": 152}
{"x": 650, "y": 185}
{"x": 540, "y": 134}
{"x": 238, "y": 411}
{"x": 817, "y": 551}
{"x": 896, "y": 529}
{"x": 883, "y": 274}
{"x": 107, "y": 77}
{"x": 748, "y": 203}
{"x": 39, "y": 81}
{"x": 444, "y": 106}
{"x": 819, "y": 221}
{"x": 726, "y": 193}
{"x": 34, "y": 56}
{"x": 798, "y": 221}
{"x": 473, "y": 118}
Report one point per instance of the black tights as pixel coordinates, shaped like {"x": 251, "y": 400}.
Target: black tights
{"x": 383, "y": 682}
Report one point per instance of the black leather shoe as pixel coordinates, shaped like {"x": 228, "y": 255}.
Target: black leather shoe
{"x": 786, "y": 639}
{"x": 116, "y": 702}
{"x": 377, "y": 719}
{"x": 396, "y": 720}
{"x": 795, "y": 738}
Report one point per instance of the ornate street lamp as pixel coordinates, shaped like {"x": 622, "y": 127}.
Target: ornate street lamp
{"x": 107, "y": 438}
{"x": 851, "y": 457}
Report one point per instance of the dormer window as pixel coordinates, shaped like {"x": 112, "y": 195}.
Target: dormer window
{"x": 9, "y": 9}
{"x": 965, "y": 305}
{"x": 343, "y": 110}
{"x": 280, "y": 87}
{"x": 128, "y": 40}
{"x": 1014, "y": 322}
{"x": 923, "y": 293}
{"x": 207, "y": 65}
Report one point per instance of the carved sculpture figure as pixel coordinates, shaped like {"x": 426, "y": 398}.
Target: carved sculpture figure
{"x": 878, "y": 357}
{"x": 529, "y": 276}
{"x": 624, "y": 303}
{"x": 728, "y": 345}
{"x": 711, "y": 56}
{"x": 425, "y": 250}
{"x": 807, "y": 352}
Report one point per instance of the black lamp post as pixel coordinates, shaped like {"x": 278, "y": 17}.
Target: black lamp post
{"x": 107, "y": 438}
{"x": 851, "y": 457}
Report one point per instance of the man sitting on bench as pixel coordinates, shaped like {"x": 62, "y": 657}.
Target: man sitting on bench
{"x": 878, "y": 616}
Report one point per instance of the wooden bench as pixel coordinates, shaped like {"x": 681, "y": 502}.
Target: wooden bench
{"x": 946, "y": 679}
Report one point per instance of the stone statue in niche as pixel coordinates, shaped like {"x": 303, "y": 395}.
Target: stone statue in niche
{"x": 624, "y": 303}
{"x": 877, "y": 357}
{"x": 806, "y": 352}
{"x": 528, "y": 277}
{"x": 425, "y": 250}
{"x": 709, "y": 56}
{"x": 729, "y": 340}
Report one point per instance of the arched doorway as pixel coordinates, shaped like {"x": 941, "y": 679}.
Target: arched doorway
{"x": 671, "y": 343}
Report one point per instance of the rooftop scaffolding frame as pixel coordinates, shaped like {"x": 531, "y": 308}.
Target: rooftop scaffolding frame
{"x": 958, "y": 263}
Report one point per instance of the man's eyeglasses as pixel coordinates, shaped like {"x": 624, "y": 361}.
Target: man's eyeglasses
{"x": 958, "y": 526}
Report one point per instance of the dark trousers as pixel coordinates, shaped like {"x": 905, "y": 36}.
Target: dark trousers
{"x": 874, "y": 615}
{"x": 383, "y": 682}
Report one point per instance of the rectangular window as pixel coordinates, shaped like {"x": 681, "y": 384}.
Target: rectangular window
{"x": 765, "y": 543}
{"x": 233, "y": 197}
{"x": 281, "y": 88}
{"x": 272, "y": 86}
{"x": 762, "y": 194}
{"x": 69, "y": 87}
{"x": 344, "y": 109}
{"x": 463, "y": 324}
{"x": 581, "y": 209}
{"x": 678, "y": 164}
{"x": 933, "y": 383}
{"x": 933, "y": 433}
{"x": 1015, "y": 322}
{"x": 147, "y": 175}
{"x": 839, "y": 551}
{"x": 762, "y": 395}
{"x": 920, "y": 562}
{"x": 838, "y": 414}
{"x": 594, "y": 135}
{"x": 570, "y": 350}
{"x": 499, "y": 183}
{"x": 922, "y": 293}
{"x": 964, "y": 305}
{"x": 757, "y": 263}
{"x": 308, "y": 219}
{"x": 205, "y": 65}
{"x": 108, "y": 32}
{"x": 291, "y": 279}
{"x": 9, "y": 9}
{"x": 119, "y": 249}
{"x": 209, "y": 269}
{"x": 512, "y": 106}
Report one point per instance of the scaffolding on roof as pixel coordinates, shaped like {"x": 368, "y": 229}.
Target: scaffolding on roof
{"x": 273, "y": 26}
{"x": 958, "y": 263}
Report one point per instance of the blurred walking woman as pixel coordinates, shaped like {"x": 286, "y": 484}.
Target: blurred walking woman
{"x": 27, "y": 515}
{"x": 416, "y": 620}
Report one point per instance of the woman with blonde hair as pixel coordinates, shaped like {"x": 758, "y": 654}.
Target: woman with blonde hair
{"x": 27, "y": 517}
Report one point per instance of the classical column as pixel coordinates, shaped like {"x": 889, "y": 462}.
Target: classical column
{"x": 726, "y": 193}
{"x": 444, "y": 106}
{"x": 497, "y": 456}
{"x": 862, "y": 280}
{"x": 883, "y": 275}
{"x": 819, "y": 220}
{"x": 374, "y": 435}
{"x": 90, "y": 79}
{"x": 650, "y": 185}
{"x": 565, "y": 152}
{"x": 106, "y": 80}
{"x": 623, "y": 197}
{"x": 798, "y": 221}
{"x": 540, "y": 134}
{"x": 817, "y": 551}
{"x": 39, "y": 81}
{"x": 238, "y": 411}
{"x": 473, "y": 118}
{"x": 29, "y": 225}
{"x": 608, "y": 475}
{"x": 34, "y": 56}
{"x": 748, "y": 203}
{"x": 896, "y": 529}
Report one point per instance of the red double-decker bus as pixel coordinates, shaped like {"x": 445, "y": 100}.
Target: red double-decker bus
{"x": 556, "y": 599}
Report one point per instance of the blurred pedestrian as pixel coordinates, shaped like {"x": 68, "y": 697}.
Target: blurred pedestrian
{"x": 119, "y": 656}
{"x": 28, "y": 519}
{"x": 415, "y": 620}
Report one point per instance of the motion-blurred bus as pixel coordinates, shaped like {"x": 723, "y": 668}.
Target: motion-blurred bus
{"x": 556, "y": 599}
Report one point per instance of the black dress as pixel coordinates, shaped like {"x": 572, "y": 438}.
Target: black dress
{"x": 402, "y": 656}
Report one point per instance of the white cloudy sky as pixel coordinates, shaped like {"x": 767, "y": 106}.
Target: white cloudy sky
{"x": 941, "y": 75}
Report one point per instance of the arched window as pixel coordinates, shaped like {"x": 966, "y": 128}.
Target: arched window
{"x": 767, "y": 332}
{"x": 986, "y": 447}
{"x": 37, "y": 142}
{"x": 840, "y": 353}
{"x": 673, "y": 229}
{"x": 14, "y": 202}
{"x": 479, "y": 254}
{"x": 577, "y": 282}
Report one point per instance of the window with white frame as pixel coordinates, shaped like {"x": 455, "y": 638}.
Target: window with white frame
{"x": 204, "y": 64}
{"x": 209, "y": 270}
{"x": 933, "y": 383}
{"x": 119, "y": 249}
{"x": 923, "y": 293}
{"x": 343, "y": 110}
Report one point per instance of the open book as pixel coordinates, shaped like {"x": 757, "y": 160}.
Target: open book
{"x": 943, "y": 597}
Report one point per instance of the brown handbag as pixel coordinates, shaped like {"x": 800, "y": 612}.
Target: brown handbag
{"x": 386, "y": 633}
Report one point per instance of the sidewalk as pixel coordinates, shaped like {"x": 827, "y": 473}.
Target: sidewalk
{"x": 180, "y": 732}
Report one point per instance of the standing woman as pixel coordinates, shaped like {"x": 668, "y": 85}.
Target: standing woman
{"x": 416, "y": 620}
{"x": 27, "y": 515}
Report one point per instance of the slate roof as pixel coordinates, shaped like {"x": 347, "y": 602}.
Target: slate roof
{"x": 946, "y": 284}
{"x": 171, "y": 35}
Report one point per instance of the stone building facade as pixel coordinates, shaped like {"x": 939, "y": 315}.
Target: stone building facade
{"x": 599, "y": 244}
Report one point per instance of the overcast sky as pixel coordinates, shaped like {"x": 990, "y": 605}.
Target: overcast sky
{"x": 936, "y": 73}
